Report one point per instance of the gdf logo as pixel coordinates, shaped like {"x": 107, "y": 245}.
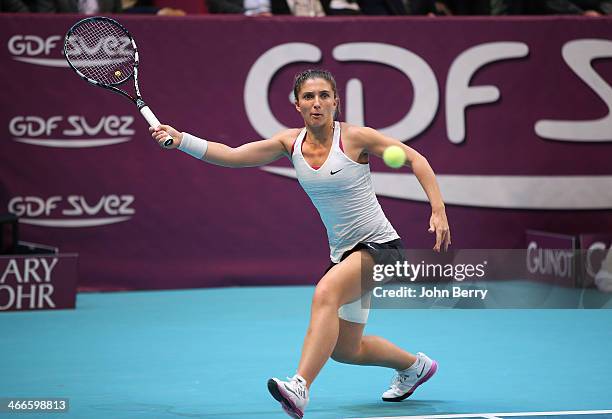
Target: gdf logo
{"x": 36, "y": 50}
{"x": 72, "y": 131}
{"x": 73, "y": 210}
{"x": 464, "y": 189}
{"x": 459, "y": 95}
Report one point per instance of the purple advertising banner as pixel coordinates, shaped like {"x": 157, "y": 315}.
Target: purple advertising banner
{"x": 37, "y": 282}
{"x": 513, "y": 115}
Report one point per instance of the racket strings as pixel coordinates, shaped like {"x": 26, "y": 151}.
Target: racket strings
{"x": 101, "y": 51}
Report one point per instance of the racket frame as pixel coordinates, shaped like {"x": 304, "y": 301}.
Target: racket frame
{"x": 138, "y": 101}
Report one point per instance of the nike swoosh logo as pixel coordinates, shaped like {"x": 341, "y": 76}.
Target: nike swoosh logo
{"x": 288, "y": 389}
{"x": 421, "y": 373}
{"x": 333, "y": 173}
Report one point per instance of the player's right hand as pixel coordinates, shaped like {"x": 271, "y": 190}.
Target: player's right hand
{"x": 161, "y": 132}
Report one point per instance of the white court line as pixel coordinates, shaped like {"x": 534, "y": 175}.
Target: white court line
{"x": 497, "y": 415}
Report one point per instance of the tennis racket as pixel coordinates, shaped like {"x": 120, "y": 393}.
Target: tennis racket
{"x": 102, "y": 52}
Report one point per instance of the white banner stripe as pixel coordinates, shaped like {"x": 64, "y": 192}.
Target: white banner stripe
{"x": 74, "y": 223}
{"x": 60, "y": 62}
{"x": 76, "y": 143}
{"x": 511, "y": 192}
{"x": 491, "y": 415}
{"x": 48, "y": 62}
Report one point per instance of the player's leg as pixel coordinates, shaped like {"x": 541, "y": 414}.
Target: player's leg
{"x": 354, "y": 348}
{"x": 342, "y": 286}
{"x": 339, "y": 285}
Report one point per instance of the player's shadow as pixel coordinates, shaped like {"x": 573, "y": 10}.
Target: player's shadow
{"x": 411, "y": 407}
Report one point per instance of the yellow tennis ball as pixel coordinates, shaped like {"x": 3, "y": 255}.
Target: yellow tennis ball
{"x": 394, "y": 156}
{"x": 117, "y": 73}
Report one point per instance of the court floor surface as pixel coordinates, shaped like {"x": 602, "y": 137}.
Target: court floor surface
{"x": 208, "y": 353}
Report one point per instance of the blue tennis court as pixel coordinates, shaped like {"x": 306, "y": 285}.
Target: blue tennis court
{"x": 207, "y": 354}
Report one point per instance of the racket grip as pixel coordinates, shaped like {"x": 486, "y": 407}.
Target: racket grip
{"x": 154, "y": 122}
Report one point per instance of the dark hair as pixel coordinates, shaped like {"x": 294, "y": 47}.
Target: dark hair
{"x": 301, "y": 78}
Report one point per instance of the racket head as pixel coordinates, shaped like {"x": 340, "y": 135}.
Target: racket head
{"x": 101, "y": 51}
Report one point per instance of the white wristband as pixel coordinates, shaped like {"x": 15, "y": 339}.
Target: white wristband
{"x": 193, "y": 146}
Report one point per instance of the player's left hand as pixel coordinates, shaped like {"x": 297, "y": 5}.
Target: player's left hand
{"x": 438, "y": 224}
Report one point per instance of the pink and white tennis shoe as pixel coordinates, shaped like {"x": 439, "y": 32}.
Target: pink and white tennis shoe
{"x": 405, "y": 382}
{"x": 292, "y": 395}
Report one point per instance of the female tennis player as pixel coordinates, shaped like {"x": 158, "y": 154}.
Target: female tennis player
{"x": 331, "y": 161}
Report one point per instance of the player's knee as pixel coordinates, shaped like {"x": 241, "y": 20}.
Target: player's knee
{"x": 324, "y": 296}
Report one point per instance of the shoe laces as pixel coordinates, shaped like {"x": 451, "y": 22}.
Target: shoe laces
{"x": 398, "y": 379}
{"x": 298, "y": 386}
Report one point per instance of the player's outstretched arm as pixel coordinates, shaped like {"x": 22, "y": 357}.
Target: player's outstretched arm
{"x": 373, "y": 142}
{"x": 252, "y": 154}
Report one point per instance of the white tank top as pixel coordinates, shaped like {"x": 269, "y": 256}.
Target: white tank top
{"x": 342, "y": 191}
